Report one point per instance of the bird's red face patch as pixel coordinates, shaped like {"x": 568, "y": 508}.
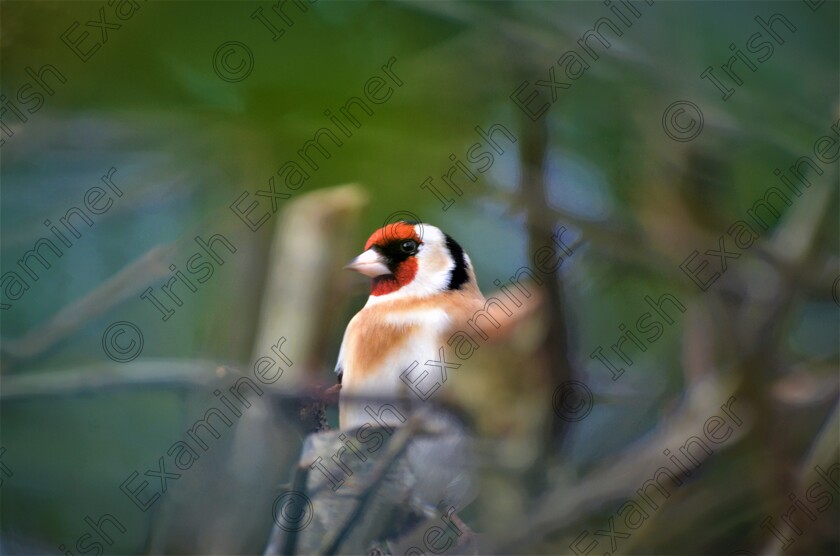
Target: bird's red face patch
{"x": 389, "y": 242}
{"x": 398, "y": 231}
{"x": 403, "y": 274}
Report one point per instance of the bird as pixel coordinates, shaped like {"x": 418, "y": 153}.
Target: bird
{"x": 422, "y": 287}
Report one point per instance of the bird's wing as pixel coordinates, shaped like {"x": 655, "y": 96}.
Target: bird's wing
{"x": 339, "y": 364}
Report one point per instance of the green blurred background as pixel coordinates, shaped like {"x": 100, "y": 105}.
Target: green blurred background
{"x": 186, "y": 144}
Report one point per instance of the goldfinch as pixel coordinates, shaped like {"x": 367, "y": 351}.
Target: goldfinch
{"x": 423, "y": 288}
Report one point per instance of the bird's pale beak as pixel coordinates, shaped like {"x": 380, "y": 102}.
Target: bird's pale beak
{"x": 370, "y": 263}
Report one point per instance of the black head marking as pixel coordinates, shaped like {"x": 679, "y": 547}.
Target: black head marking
{"x": 394, "y": 252}
{"x": 459, "y": 273}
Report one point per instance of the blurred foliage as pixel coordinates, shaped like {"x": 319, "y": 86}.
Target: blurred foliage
{"x": 186, "y": 144}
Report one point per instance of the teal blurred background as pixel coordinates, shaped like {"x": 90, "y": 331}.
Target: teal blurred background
{"x": 186, "y": 143}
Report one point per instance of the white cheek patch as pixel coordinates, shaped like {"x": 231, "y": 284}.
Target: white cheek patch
{"x": 434, "y": 262}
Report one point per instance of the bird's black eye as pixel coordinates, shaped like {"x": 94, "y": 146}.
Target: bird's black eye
{"x": 409, "y": 246}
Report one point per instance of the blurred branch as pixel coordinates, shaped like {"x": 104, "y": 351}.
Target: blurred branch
{"x": 99, "y": 379}
{"x": 176, "y": 374}
{"x": 797, "y": 233}
{"x": 309, "y": 245}
{"x": 565, "y": 504}
{"x": 620, "y": 242}
{"x": 308, "y": 250}
{"x": 532, "y": 186}
{"x": 823, "y": 451}
{"x": 628, "y": 245}
{"x": 282, "y": 541}
{"x": 149, "y": 267}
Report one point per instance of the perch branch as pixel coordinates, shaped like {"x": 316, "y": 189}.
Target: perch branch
{"x": 396, "y": 447}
